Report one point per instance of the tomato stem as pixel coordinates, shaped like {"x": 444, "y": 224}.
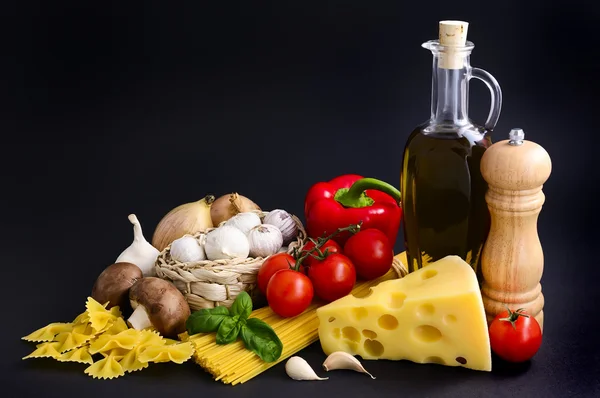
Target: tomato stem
{"x": 320, "y": 242}
{"x": 513, "y": 316}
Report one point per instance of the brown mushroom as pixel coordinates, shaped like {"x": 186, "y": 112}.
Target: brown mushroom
{"x": 113, "y": 284}
{"x": 158, "y": 303}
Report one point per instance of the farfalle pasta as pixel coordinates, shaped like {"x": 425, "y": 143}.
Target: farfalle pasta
{"x": 80, "y": 355}
{"x": 103, "y": 334}
{"x": 48, "y": 332}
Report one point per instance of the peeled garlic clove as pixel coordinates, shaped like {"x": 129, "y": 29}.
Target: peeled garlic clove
{"x": 298, "y": 369}
{"x": 343, "y": 360}
{"x": 140, "y": 252}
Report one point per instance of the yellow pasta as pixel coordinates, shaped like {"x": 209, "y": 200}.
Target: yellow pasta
{"x": 117, "y": 327}
{"x": 48, "y": 332}
{"x": 234, "y": 364}
{"x": 77, "y": 337}
{"x": 131, "y": 363}
{"x": 178, "y": 353}
{"x": 106, "y": 368}
{"x": 82, "y": 318}
{"x": 126, "y": 339}
{"x": 80, "y": 355}
{"x": 45, "y": 350}
{"x": 100, "y": 317}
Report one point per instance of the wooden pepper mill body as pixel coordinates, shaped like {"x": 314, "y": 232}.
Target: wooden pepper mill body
{"x": 512, "y": 259}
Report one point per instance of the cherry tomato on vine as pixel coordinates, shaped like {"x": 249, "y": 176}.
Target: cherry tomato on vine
{"x": 271, "y": 265}
{"x": 330, "y": 247}
{"x": 289, "y": 292}
{"x": 333, "y": 277}
{"x": 515, "y": 336}
{"x": 371, "y": 253}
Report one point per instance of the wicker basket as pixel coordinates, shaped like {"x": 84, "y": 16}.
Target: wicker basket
{"x": 207, "y": 284}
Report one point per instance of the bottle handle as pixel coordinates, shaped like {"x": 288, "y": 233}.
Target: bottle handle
{"x": 496, "y": 95}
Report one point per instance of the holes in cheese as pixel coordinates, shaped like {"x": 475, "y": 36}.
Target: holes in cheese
{"x": 397, "y": 299}
{"x": 432, "y": 315}
{"x": 427, "y": 333}
{"x": 436, "y": 360}
{"x": 361, "y": 294}
{"x": 429, "y": 273}
{"x": 448, "y": 319}
{"x": 331, "y": 319}
{"x": 425, "y": 310}
{"x": 388, "y": 322}
{"x": 360, "y": 313}
{"x": 373, "y": 348}
{"x": 351, "y": 334}
{"x": 369, "y": 334}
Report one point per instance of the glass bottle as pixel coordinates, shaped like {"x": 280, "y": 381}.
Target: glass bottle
{"x": 443, "y": 192}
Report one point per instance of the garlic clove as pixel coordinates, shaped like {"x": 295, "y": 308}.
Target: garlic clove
{"x": 343, "y": 360}
{"x": 140, "y": 252}
{"x": 298, "y": 369}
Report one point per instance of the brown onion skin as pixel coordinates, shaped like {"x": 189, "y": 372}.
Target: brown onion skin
{"x": 227, "y": 206}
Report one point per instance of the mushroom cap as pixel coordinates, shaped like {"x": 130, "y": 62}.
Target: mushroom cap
{"x": 166, "y": 307}
{"x": 113, "y": 284}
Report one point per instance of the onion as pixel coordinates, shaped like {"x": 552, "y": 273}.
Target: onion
{"x": 229, "y": 205}
{"x": 284, "y": 221}
{"x": 244, "y": 221}
{"x": 225, "y": 243}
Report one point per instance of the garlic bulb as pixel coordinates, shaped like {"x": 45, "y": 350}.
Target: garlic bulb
{"x": 185, "y": 219}
{"x": 264, "y": 240}
{"x": 226, "y": 243}
{"x": 284, "y": 221}
{"x": 140, "y": 252}
{"x": 298, "y": 369}
{"x": 187, "y": 249}
{"x": 244, "y": 221}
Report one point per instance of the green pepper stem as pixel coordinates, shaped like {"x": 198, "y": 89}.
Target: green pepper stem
{"x": 356, "y": 197}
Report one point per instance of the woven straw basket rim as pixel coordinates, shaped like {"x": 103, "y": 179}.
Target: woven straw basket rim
{"x": 209, "y": 283}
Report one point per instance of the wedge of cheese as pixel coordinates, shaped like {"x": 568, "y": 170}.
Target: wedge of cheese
{"x": 433, "y": 315}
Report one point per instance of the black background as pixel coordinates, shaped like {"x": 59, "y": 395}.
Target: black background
{"x": 114, "y": 108}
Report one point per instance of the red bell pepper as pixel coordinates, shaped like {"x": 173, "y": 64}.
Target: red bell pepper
{"x": 350, "y": 199}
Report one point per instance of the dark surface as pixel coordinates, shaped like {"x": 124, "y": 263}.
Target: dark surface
{"x": 114, "y": 109}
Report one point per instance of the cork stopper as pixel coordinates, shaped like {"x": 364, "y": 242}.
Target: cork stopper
{"x": 452, "y": 36}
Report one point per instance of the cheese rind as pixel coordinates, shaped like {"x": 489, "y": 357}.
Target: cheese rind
{"x": 433, "y": 315}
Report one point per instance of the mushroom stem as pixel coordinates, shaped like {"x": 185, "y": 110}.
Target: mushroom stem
{"x": 139, "y": 318}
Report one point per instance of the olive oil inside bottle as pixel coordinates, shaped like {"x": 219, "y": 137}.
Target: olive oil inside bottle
{"x": 443, "y": 195}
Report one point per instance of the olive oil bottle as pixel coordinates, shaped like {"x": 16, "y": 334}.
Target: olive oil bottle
{"x": 443, "y": 192}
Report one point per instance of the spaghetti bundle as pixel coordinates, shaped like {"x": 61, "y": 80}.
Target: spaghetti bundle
{"x": 234, "y": 364}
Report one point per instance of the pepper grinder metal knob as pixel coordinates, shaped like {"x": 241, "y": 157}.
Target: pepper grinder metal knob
{"x": 512, "y": 260}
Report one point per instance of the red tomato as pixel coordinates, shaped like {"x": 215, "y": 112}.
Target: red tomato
{"x": 371, "y": 253}
{"x": 333, "y": 277}
{"x": 289, "y": 293}
{"x": 271, "y": 265}
{"x": 330, "y": 246}
{"x": 515, "y": 336}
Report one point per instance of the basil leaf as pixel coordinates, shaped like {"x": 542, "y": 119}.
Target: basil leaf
{"x": 261, "y": 339}
{"x": 228, "y": 331}
{"x": 206, "y": 320}
{"x": 242, "y": 305}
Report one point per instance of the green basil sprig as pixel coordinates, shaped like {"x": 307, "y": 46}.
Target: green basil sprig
{"x": 257, "y": 335}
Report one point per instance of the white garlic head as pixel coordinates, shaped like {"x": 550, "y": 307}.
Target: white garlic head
{"x": 187, "y": 249}
{"x": 265, "y": 240}
{"x": 284, "y": 222}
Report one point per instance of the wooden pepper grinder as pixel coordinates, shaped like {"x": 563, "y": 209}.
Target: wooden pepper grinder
{"x": 512, "y": 260}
